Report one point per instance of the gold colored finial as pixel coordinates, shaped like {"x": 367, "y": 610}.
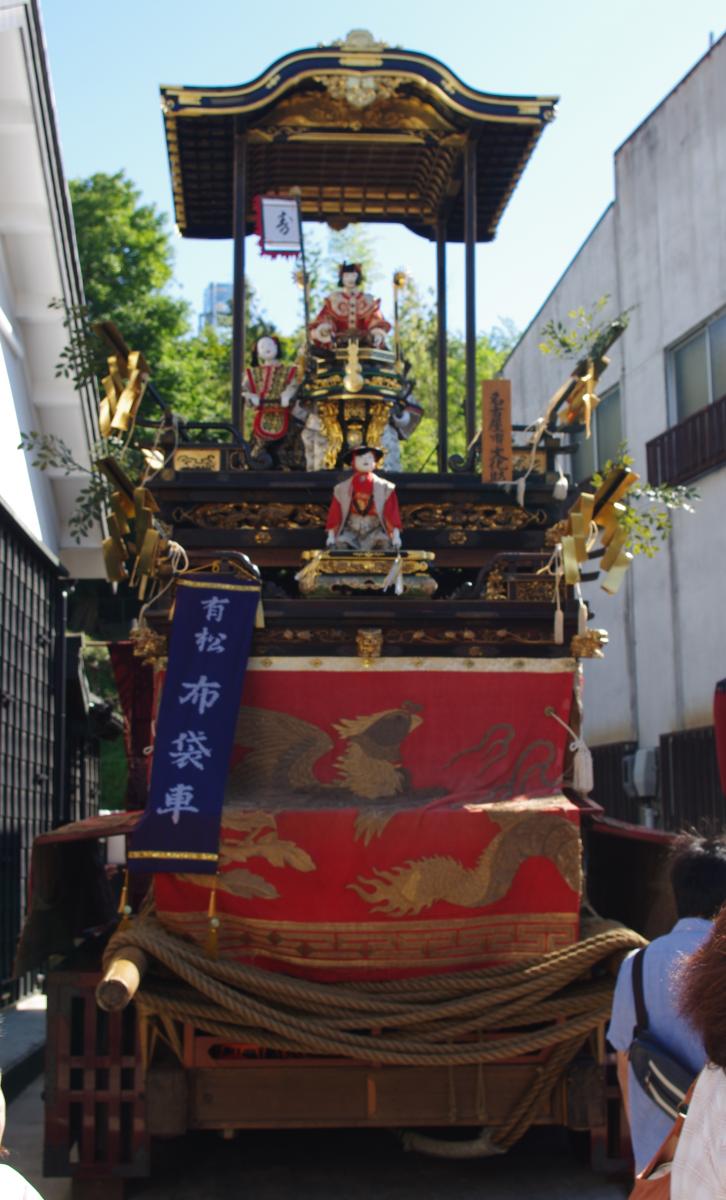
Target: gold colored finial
{"x": 359, "y": 41}
{"x": 353, "y": 381}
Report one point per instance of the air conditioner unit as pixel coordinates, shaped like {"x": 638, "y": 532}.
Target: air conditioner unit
{"x": 640, "y": 773}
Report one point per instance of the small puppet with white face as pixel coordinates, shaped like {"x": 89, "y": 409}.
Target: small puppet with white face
{"x": 349, "y": 313}
{"x": 364, "y": 512}
{"x": 270, "y": 386}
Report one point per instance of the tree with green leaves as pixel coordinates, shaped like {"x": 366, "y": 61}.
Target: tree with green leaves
{"x": 127, "y": 261}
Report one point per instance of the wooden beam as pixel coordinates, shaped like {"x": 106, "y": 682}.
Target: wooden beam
{"x": 121, "y": 981}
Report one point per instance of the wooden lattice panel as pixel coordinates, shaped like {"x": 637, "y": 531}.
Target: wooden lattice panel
{"x": 95, "y": 1119}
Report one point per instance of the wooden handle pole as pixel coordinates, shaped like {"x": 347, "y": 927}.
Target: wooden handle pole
{"x": 121, "y": 981}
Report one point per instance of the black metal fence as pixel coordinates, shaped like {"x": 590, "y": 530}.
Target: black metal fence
{"x": 46, "y": 777}
{"x": 690, "y": 791}
{"x": 607, "y": 765}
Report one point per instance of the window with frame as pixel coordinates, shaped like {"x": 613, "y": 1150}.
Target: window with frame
{"x": 697, "y": 370}
{"x": 606, "y": 436}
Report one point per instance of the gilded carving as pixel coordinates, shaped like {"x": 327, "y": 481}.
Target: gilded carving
{"x": 359, "y": 41}
{"x": 556, "y": 532}
{"x": 415, "y": 885}
{"x": 270, "y": 636}
{"x": 486, "y": 637}
{"x": 369, "y": 643}
{"x": 378, "y": 420}
{"x": 417, "y": 638}
{"x": 589, "y": 644}
{"x": 197, "y": 460}
{"x": 472, "y": 517}
{"x": 328, "y": 414}
{"x": 149, "y": 646}
{"x": 253, "y": 515}
{"x": 534, "y": 590}
{"x": 496, "y": 588}
{"x": 360, "y": 91}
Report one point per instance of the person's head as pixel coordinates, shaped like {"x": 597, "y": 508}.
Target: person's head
{"x": 698, "y": 875}
{"x": 350, "y": 275}
{"x": 702, "y": 991}
{"x": 266, "y": 350}
{"x": 363, "y": 458}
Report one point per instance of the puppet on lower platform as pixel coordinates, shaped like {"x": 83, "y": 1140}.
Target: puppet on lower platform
{"x": 364, "y": 513}
{"x": 270, "y": 388}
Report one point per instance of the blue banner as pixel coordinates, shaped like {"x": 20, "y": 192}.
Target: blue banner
{"x": 209, "y": 647}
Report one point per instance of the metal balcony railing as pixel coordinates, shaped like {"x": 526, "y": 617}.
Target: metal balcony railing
{"x": 690, "y": 448}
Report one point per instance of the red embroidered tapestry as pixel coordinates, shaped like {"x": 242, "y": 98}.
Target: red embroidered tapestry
{"x": 393, "y": 820}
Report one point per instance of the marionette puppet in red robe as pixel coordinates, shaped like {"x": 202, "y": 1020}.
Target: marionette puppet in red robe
{"x": 364, "y": 512}
{"x": 269, "y": 388}
{"x": 349, "y": 312}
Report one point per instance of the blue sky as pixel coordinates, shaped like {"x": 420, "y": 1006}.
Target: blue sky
{"x": 611, "y": 64}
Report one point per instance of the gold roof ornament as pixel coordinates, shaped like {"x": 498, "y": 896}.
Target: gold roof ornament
{"x": 359, "y": 41}
{"x": 359, "y": 91}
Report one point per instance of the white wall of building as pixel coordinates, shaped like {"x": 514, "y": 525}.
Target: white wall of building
{"x": 38, "y": 264}
{"x": 660, "y": 248}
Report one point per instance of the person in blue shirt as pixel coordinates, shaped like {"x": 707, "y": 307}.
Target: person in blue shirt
{"x": 698, "y": 880}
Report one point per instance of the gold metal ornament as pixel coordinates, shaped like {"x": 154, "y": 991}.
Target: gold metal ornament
{"x": 369, "y": 644}
{"x": 353, "y": 381}
{"x": 133, "y": 393}
{"x": 589, "y": 644}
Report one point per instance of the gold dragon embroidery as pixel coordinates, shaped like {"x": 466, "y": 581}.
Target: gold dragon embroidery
{"x": 282, "y": 753}
{"x": 417, "y": 884}
{"x": 260, "y": 840}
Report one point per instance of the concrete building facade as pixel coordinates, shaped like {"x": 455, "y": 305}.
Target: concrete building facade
{"x": 38, "y": 265}
{"x": 659, "y": 249}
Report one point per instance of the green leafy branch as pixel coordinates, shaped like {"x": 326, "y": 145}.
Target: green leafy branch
{"x": 646, "y": 517}
{"x": 588, "y": 336}
{"x": 51, "y": 453}
{"x": 82, "y": 358}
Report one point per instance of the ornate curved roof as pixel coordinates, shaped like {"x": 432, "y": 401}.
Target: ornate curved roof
{"x": 366, "y": 131}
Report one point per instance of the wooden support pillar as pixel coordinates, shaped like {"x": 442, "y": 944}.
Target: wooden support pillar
{"x": 470, "y": 199}
{"x": 442, "y": 346}
{"x": 239, "y": 302}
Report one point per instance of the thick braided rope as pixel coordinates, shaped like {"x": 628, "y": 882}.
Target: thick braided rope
{"x": 417, "y": 1022}
{"x": 421, "y": 1032}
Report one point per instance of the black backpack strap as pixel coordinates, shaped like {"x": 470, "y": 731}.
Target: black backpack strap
{"x": 641, "y": 1012}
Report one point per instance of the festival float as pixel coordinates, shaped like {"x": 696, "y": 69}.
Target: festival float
{"x": 355, "y": 894}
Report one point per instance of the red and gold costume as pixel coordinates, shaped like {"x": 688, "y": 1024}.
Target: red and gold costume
{"x": 346, "y": 312}
{"x": 364, "y": 511}
{"x": 272, "y": 419}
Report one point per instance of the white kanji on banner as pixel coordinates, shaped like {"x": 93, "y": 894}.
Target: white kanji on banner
{"x": 279, "y": 225}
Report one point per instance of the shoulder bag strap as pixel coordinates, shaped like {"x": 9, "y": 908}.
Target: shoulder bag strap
{"x": 641, "y": 1012}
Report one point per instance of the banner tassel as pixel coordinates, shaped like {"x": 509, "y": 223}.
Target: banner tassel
{"x": 212, "y": 933}
{"x": 260, "y": 616}
{"x": 583, "y": 778}
{"x": 124, "y": 908}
